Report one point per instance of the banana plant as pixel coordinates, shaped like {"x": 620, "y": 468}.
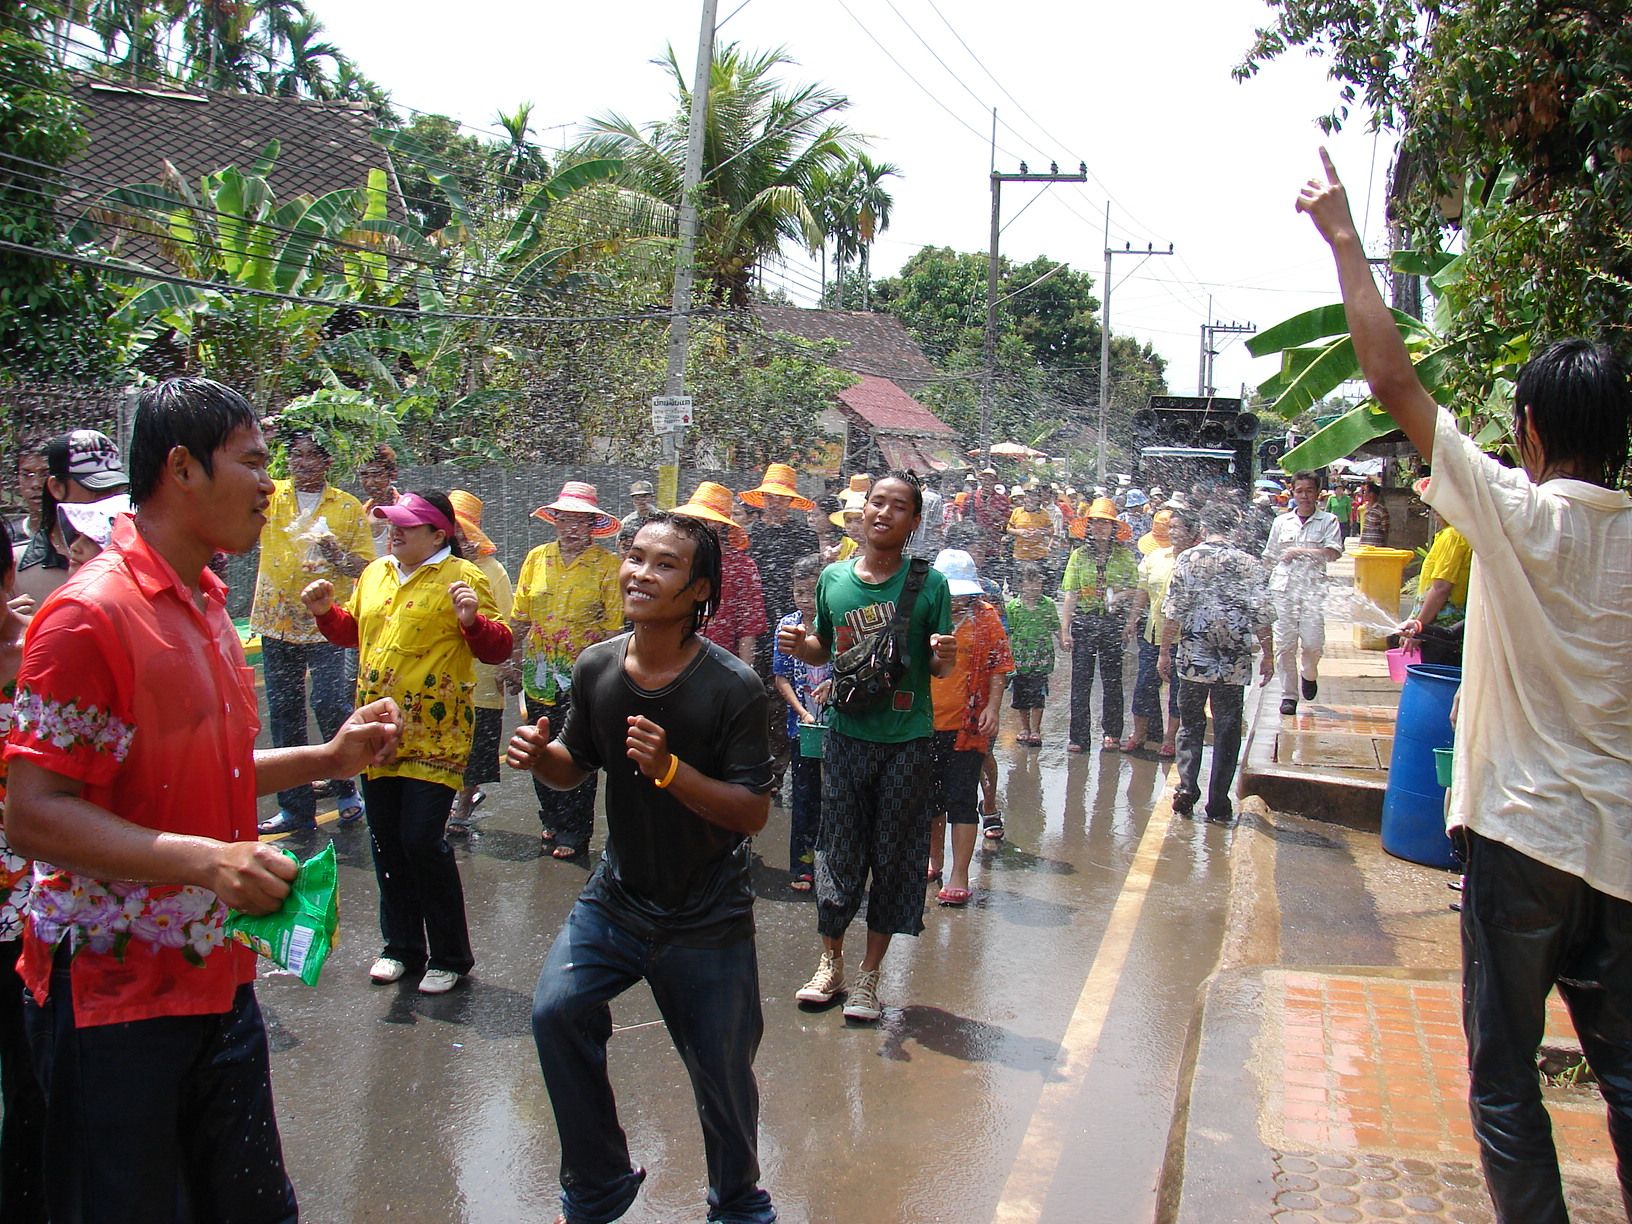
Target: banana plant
{"x": 1317, "y": 352}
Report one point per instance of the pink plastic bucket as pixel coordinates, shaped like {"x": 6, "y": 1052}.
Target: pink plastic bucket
{"x": 1400, "y": 658}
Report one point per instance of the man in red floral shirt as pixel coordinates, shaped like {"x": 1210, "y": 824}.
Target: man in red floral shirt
{"x": 132, "y": 759}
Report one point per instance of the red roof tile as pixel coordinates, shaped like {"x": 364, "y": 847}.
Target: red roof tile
{"x": 884, "y": 408}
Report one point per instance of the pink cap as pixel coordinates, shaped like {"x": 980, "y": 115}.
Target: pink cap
{"x": 412, "y": 510}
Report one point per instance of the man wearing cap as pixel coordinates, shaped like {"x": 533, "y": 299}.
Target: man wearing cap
{"x": 645, "y": 499}
{"x": 740, "y": 620}
{"x": 313, "y": 531}
{"x": 1299, "y": 546}
{"x": 566, "y": 599}
{"x": 82, "y": 466}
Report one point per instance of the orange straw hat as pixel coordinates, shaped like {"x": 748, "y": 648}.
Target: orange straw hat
{"x": 861, "y": 483}
{"x": 780, "y": 481}
{"x": 1104, "y": 508}
{"x": 1158, "y": 536}
{"x": 579, "y": 497}
{"x": 467, "y": 513}
{"x": 711, "y": 502}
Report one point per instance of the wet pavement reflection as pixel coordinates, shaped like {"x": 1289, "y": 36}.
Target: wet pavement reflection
{"x": 969, "y": 1100}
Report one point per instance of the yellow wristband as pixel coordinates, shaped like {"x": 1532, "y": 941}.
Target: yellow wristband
{"x": 674, "y": 768}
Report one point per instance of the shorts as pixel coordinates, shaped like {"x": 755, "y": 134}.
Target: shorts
{"x": 483, "y": 765}
{"x": 1030, "y": 690}
{"x": 956, "y": 781}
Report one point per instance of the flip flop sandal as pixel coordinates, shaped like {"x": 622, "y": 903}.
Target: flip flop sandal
{"x": 565, "y": 852}
{"x": 1131, "y": 745}
{"x": 954, "y": 896}
{"x": 477, "y": 799}
{"x": 801, "y": 883}
{"x": 1167, "y": 750}
{"x": 991, "y": 828}
{"x": 932, "y": 876}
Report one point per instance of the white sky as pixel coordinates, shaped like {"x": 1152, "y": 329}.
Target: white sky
{"x": 1141, "y": 92}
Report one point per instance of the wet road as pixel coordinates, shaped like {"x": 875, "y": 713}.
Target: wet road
{"x": 1025, "y": 1067}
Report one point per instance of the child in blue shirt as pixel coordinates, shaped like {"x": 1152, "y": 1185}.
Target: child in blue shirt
{"x": 804, "y": 688}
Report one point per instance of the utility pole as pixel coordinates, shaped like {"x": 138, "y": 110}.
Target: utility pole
{"x": 1209, "y": 335}
{"x": 997, "y": 180}
{"x": 674, "y": 384}
{"x": 1105, "y": 334}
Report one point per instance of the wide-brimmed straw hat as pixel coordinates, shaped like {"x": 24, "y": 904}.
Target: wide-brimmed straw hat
{"x": 780, "y": 481}
{"x": 711, "y": 502}
{"x": 850, "y": 502}
{"x": 1105, "y": 508}
{"x": 1159, "y": 534}
{"x": 861, "y": 482}
{"x": 467, "y": 515}
{"x": 579, "y": 497}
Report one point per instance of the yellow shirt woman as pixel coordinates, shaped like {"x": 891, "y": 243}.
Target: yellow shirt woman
{"x": 410, "y": 648}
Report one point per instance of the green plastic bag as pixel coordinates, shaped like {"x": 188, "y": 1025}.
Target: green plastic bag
{"x": 300, "y": 935}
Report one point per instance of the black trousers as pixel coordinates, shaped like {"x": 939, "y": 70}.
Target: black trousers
{"x": 422, "y": 902}
{"x": 22, "y": 1130}
{"x": 1227, "y": 702}
{"x": 570, "y": 813}
{"x": 1096, "y": 642}
{"x": 1527, "y": 927}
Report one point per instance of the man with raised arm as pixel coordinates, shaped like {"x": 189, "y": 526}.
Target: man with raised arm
{"x": 1543, "y": 761}
{"x": 133, "y": 774}
{"x": 679, "y": 725}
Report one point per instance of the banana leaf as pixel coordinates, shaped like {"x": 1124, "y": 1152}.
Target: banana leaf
{"x": 161, "y": 296}
{"x": 1340, "y": 439}
{"x": 316, "y": 223}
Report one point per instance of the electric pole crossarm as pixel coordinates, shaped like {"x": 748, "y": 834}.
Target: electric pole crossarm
{"x": 1105, "y": 333}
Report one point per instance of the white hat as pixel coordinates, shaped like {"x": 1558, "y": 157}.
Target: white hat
{"x": 958, "y": 567}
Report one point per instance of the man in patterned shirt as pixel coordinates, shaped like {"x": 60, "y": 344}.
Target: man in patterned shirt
{"x": 132, "y": 758}
{"x": 1216, "y": 605}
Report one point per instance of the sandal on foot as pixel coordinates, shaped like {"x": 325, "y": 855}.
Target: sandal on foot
{"x": 1109, "y": 744}
{"x": 565, "y": 852}
{"x": 991, "y": 827}
{"x": 953, "y": 896}
{"x": 801, "y": 883}
{"x": 547, "y": 837}
{"x": 1073, "y": 748}
{"x": 932, "y": 876}
{"x": 1132, "y": 745}
{"x": 1167, "y": 750}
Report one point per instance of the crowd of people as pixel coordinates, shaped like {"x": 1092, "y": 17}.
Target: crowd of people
{"x": 857, "y": 645}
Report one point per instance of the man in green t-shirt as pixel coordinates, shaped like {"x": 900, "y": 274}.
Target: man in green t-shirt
{"x": 876, "y": 766}
{"x": 1341, "y": 505}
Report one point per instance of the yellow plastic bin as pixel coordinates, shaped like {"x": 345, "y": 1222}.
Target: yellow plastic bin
{"x": 1378, "y": 573}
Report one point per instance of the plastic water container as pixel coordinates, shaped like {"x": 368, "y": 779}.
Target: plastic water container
{"x": 1442, "y": 765}
{"x": 1400, "y": 658}
{"x": 1414, "y": 805}
{"x": 812, "y": 739}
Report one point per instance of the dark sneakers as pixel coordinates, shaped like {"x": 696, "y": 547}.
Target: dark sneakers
{"x": 1310, "y": 689}
{"x": 1289, "y": 705}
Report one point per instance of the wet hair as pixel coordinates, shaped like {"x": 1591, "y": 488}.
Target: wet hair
{"x": 198, "y": 413}
{"x": 439, "y": 499}
{"x": 808, "y": 568}
{"x": 705, "y": 560}
{"x": 1186, "y": 516}
{"x": 1306, "y": 474}
{"x": 1576, "y": 396}
{"x": 1029, "y": 571}
{"x": 1219, "y": 518}
{"x": 910, "y": 478}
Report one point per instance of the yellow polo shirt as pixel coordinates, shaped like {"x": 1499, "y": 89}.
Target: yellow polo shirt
{"x": 1449, "y": 557}
{"x": 566, "y": 608}
{"x": 277, "y": 611}
{"x": 409, "y": 648}
{"x": 1038, "y": 520}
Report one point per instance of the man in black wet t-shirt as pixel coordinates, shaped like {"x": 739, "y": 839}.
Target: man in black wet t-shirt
{"x": 679, "y": 726}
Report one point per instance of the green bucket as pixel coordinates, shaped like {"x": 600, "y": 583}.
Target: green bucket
{"x": 812, "y": 736}
{"x": 1442, "y": 765}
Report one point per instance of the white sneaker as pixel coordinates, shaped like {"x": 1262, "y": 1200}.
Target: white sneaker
{"x": 386, "y": 969}
{"x": 863, "y": 1001}
{"x": 438, "y": 981}
{"x": 826, "y": 982}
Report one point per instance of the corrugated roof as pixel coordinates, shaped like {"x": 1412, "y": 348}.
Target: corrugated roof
{"x": 324, "y": 146}
{"x": 874, "y": 343}
{"x": 885, "y": 408}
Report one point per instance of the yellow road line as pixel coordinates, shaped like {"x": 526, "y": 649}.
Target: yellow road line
{"x": 1035, "y": 1164}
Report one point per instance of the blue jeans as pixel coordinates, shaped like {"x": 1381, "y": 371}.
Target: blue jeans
{"x": 334, "y": 682}
{"x": 709, "y": 999}
{"x": 1147, "y": 691}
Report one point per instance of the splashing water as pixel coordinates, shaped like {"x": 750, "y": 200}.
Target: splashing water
{"x": 1368, "y": 614}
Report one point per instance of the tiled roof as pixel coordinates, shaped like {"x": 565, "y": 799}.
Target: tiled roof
{"x": 885, "y": 408}
{"x": 874, "y": 343}
{"x": 324, "y": 146}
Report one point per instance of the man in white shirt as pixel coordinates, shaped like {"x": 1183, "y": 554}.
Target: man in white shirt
{"x": 1299, "y": 546}
{"x": 1543, "y": 766}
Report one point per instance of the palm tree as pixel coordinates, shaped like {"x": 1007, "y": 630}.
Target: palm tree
{"x": 518, "y": 162}
{"x": 765, "y": 150}
{"x": 303, "y": 72}
{"x": 220, "y": 47}
{"x": 853, "y": 209}
{"x": 873, "y": 204}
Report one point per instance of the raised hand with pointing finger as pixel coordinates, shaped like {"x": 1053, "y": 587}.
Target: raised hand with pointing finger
{"x": 1327, "y": 204}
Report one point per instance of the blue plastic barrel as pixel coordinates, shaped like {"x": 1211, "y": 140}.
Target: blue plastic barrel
{"x": 1414, "y": 807}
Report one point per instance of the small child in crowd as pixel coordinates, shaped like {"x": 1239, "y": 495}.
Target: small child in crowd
{"x": 1034, "y": 634}
{"x": 802, "y": 686}
{"x": 966, "y": 706}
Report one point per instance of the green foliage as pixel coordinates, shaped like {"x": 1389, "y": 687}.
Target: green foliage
{"x": 1516, "y": 126}
{"x": 53, "y": 316}
{"x": 349, "y": 425}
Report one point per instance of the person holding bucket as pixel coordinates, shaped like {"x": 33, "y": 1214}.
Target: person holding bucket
{"x": 1543, "y": 755}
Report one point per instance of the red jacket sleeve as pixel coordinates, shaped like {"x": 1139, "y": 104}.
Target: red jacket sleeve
{"x": 338, "y": 626}
{"x": 490, "y": 640}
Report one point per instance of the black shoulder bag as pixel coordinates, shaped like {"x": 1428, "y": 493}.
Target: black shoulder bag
{"x": 869, "y": 672}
